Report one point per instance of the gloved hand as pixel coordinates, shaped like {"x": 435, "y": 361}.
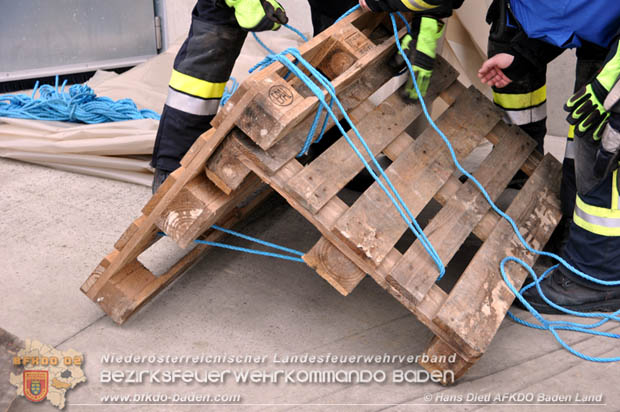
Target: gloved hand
{"x": 587, "y": 111}
{"x": 258, "y": 15}
{"x": 422, "y": 58}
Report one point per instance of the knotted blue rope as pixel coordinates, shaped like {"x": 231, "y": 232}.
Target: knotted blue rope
{"x": 78, "y": 105}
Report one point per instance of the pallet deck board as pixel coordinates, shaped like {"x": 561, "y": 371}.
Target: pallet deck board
{"x": 422, "y": 162}
{"x": 416, "y": 272}
{"x": 320, "y": 181}
{"x": 481, "y": 299}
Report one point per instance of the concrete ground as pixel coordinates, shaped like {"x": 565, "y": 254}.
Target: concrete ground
{"x": 57, "y": 226}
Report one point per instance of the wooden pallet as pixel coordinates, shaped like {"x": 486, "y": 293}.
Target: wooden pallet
{"x": 256, "y": 139}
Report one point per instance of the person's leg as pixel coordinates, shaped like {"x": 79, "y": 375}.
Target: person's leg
{"x": 590, "y": 58}
{"x": 201, "y": 69}
{"x": 593, "y": 245}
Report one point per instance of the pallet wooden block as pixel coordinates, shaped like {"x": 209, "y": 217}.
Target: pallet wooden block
{"x": 254, "y": 144}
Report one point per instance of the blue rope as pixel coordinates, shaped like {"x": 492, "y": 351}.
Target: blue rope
{"x": 392, "y": 193}
{"x": 553, "y": 327}
{"x": 402, "y": 17}
{"x": 79, "y": 105}
{"x": 229, "y": 91}
{"x": 351, "y": 10}
{"x": 256, "y": 240}
{"x": 294, "y": 30}
{"x": 296, "y": 258}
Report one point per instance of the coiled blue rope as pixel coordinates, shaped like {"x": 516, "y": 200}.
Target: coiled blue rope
{"x": 78, "y": 105}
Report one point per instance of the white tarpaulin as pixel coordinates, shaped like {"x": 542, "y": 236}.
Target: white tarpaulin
{"x": 120, "y": 150}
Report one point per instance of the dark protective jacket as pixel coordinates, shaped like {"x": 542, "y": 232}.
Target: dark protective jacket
{"x": 216, "y": 11}
{"x": 434, "y": 8}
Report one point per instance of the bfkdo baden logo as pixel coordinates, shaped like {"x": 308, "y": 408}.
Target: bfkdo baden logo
{"x": 48, "y": 373}
{"x": 35, "y": 385}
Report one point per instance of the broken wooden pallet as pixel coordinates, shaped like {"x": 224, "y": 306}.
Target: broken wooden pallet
{"x": 256, "y": 138}
{"x": 353, "y": 53}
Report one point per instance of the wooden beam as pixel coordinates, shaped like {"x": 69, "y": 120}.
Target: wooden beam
{"x": 334, "y": 267}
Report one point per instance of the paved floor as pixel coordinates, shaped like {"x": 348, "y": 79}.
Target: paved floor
{"x": 56, "y": 227}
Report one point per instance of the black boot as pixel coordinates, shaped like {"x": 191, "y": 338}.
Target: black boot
{"x": 158, "y": 179}
{"x": 564, "y": 292}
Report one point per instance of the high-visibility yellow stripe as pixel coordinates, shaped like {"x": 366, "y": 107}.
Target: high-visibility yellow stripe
{"x": 196, "y": 87}
{"x": 614, "y": 191}
{"x": 571, "y": 132}
{"x": 418, "y": 5}
{"x": 598, "y": 220}
{"x": 597, "y": 210}
{"x": 521, "y": 101}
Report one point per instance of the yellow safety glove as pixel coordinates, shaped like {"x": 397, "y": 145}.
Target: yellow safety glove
{"x": 422, "y": 57}
{"x": 586, "y": 108}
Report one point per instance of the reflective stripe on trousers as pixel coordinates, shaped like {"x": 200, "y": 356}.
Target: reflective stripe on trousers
{"x": 599, "y": 220}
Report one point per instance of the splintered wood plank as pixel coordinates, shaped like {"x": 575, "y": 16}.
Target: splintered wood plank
{"x": 197, "y": 146}
{"x": 163, "y": 189}
{"x": 532, "y": 161}
{"x": 321, "y": 180}
{"x": 402, "y": 142}
{"x": 198, "y": 206}
{"x": 454, "y": 362}
{"x": 373, "y": 226}
{"x": 479, "y": 301}
{"x": 101, "y": 267}
{"x": 129, "y": 232}
{"x": 334, "y": 267}
{"x": 414, "y": 275}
